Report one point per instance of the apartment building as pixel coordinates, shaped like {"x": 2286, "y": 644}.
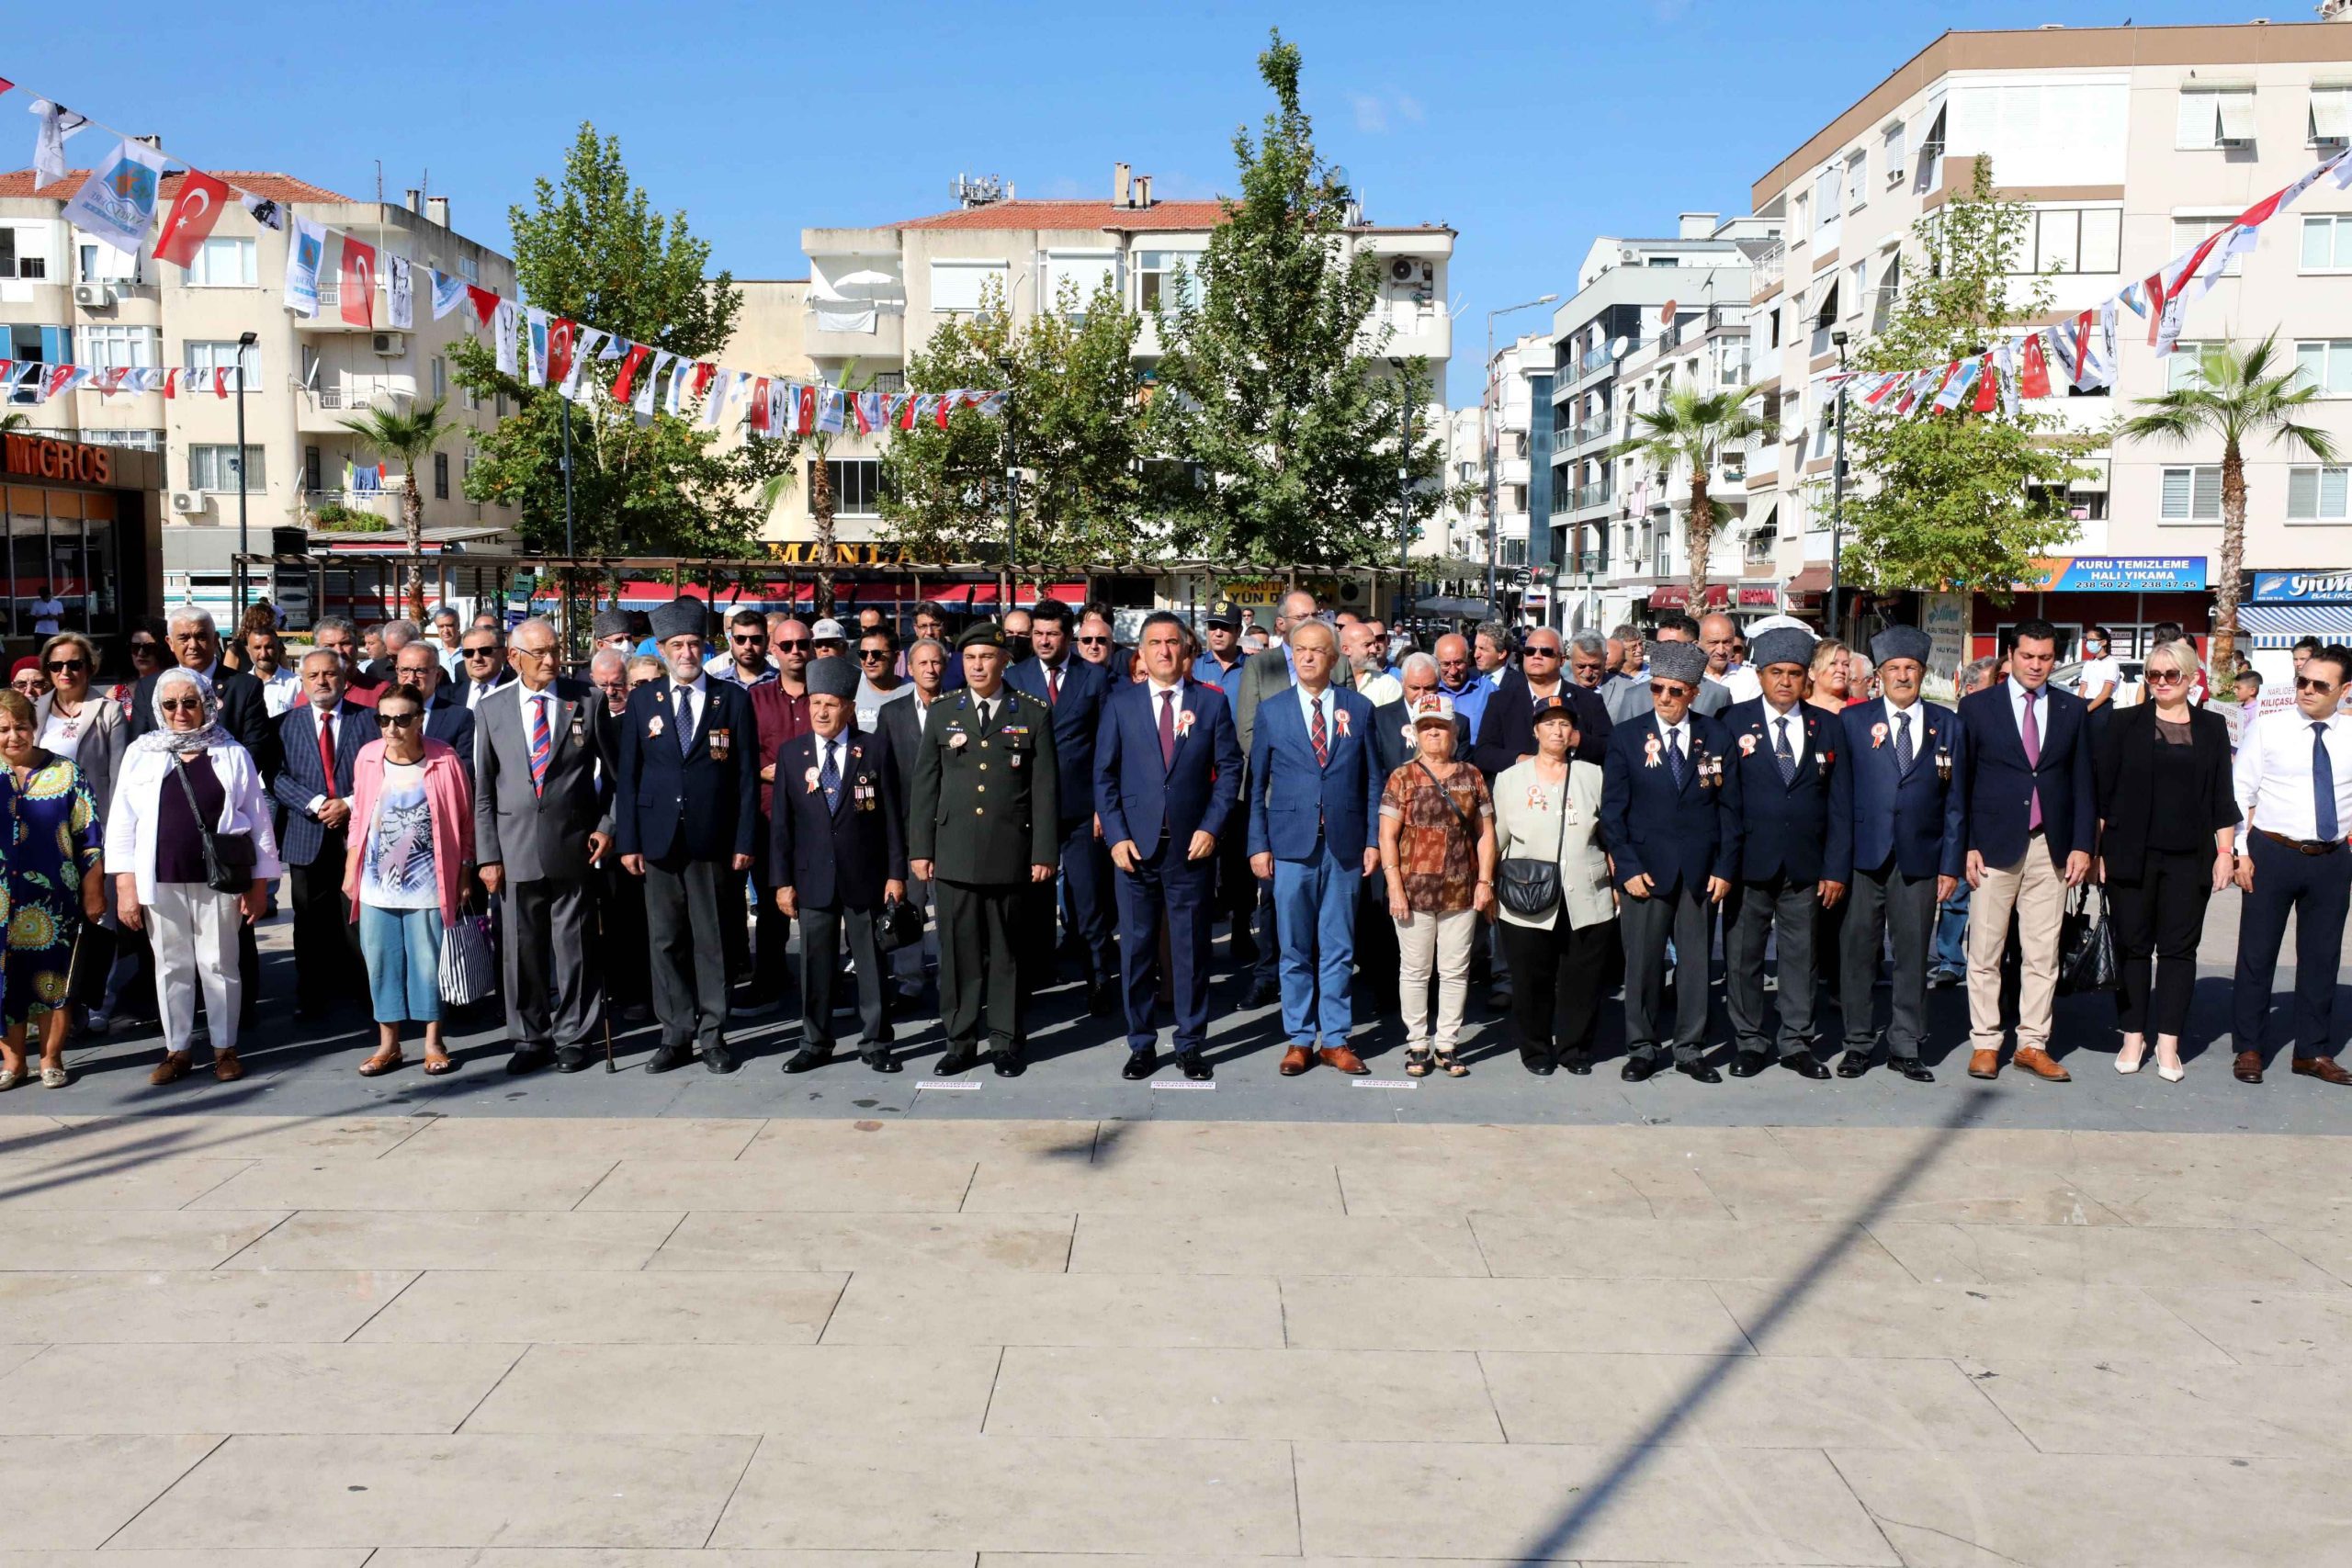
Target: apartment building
{"x": 1457, "y": 530}
{"x": 2128, "y": 145}
{"x": 876, "y": 295}
{"x": 67, "y": 298}
{"x": 1648, "y": 315}
{"x": 1516, "y": 479}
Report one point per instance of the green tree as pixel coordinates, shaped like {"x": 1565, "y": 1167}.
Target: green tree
{"x": 1959, "y": 497}
{"x": 1694, "y": 428}
{"x": 1273, "y": 367}
{"x": 411, "y": 437}
{"x": 1078, "y": 423}
{"x": 593, "y": 250}
{"x": 2240, "y": 395}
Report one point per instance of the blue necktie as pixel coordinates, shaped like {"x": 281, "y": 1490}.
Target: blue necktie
{"x": 2324, "y": 783}
{"x": 1674, "y": 756}
{"x": 829, "y": 776}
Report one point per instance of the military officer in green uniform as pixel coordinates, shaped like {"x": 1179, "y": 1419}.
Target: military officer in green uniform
{"x": 983, "y": 825}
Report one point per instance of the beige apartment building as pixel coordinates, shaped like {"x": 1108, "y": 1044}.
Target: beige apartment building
{"x": 2129, "y": 145}
{"x": 66, "y": 297}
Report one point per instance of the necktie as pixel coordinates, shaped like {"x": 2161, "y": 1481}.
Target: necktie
{"x": 685, "y": 719}
{"x": 1902, "y": 744}
{"x": 1674, "y": 758}
{"x": 1053, "y": 682}
{"x": 326, "y": 750}
{"x": 542, "y": 744}
{"x": 2032, "y": 736}
{"x": 1166, "y": 729}
{"x": 1780, "y": 752}
{"x": 1321, "y": 737}
{"x": 829, "y": 776}
{"x": 2324, "y": 785}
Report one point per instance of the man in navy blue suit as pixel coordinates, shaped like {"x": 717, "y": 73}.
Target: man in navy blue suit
{"x": 1075, "y": 689}
{"x": 1785, "y": 752}
{"x": 2031, "y": 820}
{"x": 1670, "y": 817}
{"x": 321, "y": 742}
{"x": 682, "y": 814}
{"x": 1167, "y": 772}
{"x": 838, "y": 851}
{"x": 1314, "y": 797}
{"x": 1896, "y": 842}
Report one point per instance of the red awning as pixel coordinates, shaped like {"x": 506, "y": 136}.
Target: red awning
{"x": 1811, "y": 579}
{"x": 1675, "y": 595}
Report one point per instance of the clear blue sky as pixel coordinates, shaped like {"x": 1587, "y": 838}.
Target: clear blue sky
{"x": 1529, "y": 129}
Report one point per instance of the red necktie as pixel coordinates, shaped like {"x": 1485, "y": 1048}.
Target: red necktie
{"x": 1166, "y": 729}
{"x": 1053, "y": 684}
{"x": 1321, "y": 737}
{"x": 326, "y": 750}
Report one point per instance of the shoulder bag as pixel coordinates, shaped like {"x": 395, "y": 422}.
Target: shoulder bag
{"x": 228, "y": 858}
{"x": 1531, "y": 888}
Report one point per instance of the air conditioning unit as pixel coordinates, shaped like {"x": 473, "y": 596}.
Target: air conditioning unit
{"x": 392, "y": 345}
{"x": 188, "y": 501}
{"x": 1403, "y": 269}
{"x": 93, "y": 296}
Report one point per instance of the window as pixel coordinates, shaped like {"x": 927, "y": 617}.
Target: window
{"x": 1931, "y": 149}
{"x": 1857, "y": 181}
{"x": 1799, "y": 204}
{"x": 222, "y": 263}
{"x": 884, "y": 381}
{"x": 1664, "y": 261}
{"x": 1772, "y": 329}
{"x": 2188, "y": 233}
{"x": 1156, "y": 278}
{"x": 2331, "y": 116}
{"x": 215, "y": 467}
{"x": 2072, "y": 240}
{"x": 1858, "y": 279}
{"x": 2327, "y": 366}
{"x": 2317, "y": 495}
{"x": 2215, "y": 117}
{"x": 858, "y": 486}
{"x": 2327, "y": 243}
{"x": 105, "y": 346}
{"x": 16, "y": 257}
{"x": 1891, "y": 152}
{"x": 2193, "y": 495}
{"x": 100, "y": 263}
{"x": 470, "y": 269}
{"x": 313, "y": 469}
{"x": 961, "y": 285}
{"x": 440, "y": 380}
{"x": 2183, "y": 367}
{"x": 1825, "y": 204}
{"x": 440, "y": 475}
{"x": 1890, "y": 285}
{"x": 204, "y": 358}
{"x": 1081, "y": 273}
{"x": 1825, "y": 316}
{"x": 129, "y": 440}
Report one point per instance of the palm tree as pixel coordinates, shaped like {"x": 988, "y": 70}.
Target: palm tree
{"x": 2238, "y": 396}
{"x": 1694, "y": 427}
{"x": 411, "y": 437}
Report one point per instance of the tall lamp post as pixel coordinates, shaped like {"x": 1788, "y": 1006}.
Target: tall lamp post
{"x": 1838, "y": 491}
{"x": 245, "y": 341}
{"x": 1403, "y": 498}
{"x": 1491, "y": 444}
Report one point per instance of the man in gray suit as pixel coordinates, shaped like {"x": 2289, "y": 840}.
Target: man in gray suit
{"x": 1629, "y": 701}
{"x": 542, "y": 821}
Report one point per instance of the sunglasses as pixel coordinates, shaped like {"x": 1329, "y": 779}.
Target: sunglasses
{"x": 2164, "y": 677}
{"x": 481, "y": 652}
{"x": 398, "y": 720}
{"x": 182, "y": 705}
{"x": 870, "y": 654}
{"x": 1092, "y": 641}
{"x": 741, "y": 639}
{"x": 56, "y": 665}
{"x": 1668, "y": 689}
{"x": 145, "y": 650}
{"x": 792, "y": 645}
{"x": 1542, "y": 653}
{"x": 2306, "y": 683}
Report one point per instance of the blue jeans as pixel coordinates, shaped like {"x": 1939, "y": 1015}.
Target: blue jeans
{"x": 1952, "y": 932}
{"x": 1315, "y": 913}
{"x": 403, "y": 949}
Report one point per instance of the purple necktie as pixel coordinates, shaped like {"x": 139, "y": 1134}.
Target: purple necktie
{"x": 2032, "y": 738}
{"x": 1166, "y": 729}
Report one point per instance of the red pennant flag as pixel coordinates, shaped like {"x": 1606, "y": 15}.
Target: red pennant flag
{"x": 358, "y": 282}
{"x": 194, "y": 212}
{"x": 563, "y": 336}
{"x": 703, "y": 371}
{"x": 220, "y": 381}
{"x": 857, "y": 409}
{"x": 171, "y": 383}
{"x": 2033, "y": 377}
{"x": 57, "y": 379}
{"x": 110, "y": 382}
{"x": 631, "y": 363}
{"x": 1877, "y": 394}
{"x": 907, "y": 411}
{"x": 760, "y": 406}
{"x": 947, "y": 406}
{"x": 1988, "y": 387}
{"x": 484, "y": 301}
{"x": 805, "y": 420}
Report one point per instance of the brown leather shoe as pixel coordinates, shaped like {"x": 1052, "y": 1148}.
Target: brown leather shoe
{"x": 171, "y": 1069}
{"x": 2247, "y": 1067}
{"x": 2035, "y": 1060}
{"x": 227, "y": 1068}
{"x": 1983, "y": 1064}
{"x": 1296, "y": 1060}
{"x": 2327, "y": 1070}
{"x": 1348, "y": 1061}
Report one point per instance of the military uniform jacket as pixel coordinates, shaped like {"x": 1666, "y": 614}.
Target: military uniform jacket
{"x": 986, "y": 798}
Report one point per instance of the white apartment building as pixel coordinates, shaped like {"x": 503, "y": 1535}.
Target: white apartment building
{"x": 1457, "y": 530}
{"x": 2128, "y": 144}
{"x": 1518, "y": 481}
{"x": 876, "y": 295}
{"x": 66, "y": 297}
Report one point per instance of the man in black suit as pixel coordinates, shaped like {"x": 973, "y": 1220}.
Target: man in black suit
{"x": 838, "y": 852}
{"x": 686, "y": 795}
{"x": 902, "y": 724}
{"x": 1507, "y": 727}
{"x": 446, "y": 720}
{"x": 321, "y": 740}
{"x": 483, "y": 667}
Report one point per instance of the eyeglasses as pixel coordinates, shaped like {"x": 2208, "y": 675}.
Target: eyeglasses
{"x": 182, "y": 705}
{"x": 2307, "y": 683}
{"x": 535, "y": 652}
{"x": 1668, "y": 689}
{"x": 398, "y": 720}
{"x": 2164, "y": 677}
{"x": 56, "y": 665}
{"x": 792, "y": 645}
{"x": 867, "y": 655}
{"x": 145, "y": 650}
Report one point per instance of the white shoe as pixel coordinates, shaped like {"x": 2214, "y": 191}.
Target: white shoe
{"x": 2134, "y": 1064}
{"x": 2171, "y": 1075}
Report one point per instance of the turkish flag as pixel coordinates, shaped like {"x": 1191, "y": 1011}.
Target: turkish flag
{"x": 563, "y": 336}
{"x": 1988, "y": 387}
{"x": 631, "y": 364}
{"x": 358, "y": 282}
{"x": 194, "y": 212}
{"x": 2033, "y": 379}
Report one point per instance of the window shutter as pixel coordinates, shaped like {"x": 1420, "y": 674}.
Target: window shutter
{"x": 2332, "y": 492}
{"x": 2208, "y": 504}
{"x": 2176, "y": 492}
{"x": 2302, "y": 492}
{"x": 2331, "y": 119}
{"x": 2236, "y": 114}
{"x": 2201, "y": 122}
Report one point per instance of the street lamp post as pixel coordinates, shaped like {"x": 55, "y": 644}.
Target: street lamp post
{"x": 1404, "y": 497}
{"x": 245, "y": 341}
{"x": 1838, "y": 492}
{"x": 1491, "y": 444}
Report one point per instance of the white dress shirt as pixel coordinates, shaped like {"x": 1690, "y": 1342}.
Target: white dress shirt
{"x": 1672, "y": 738}
{"x": 838, "y": 750}
{"x": 2041, "y": 710}
{"x": 1919, "y": 715}
{"x": 1742, "y": 683}
{"x": 688, "y": 699}
{"x": 1306, "y": 701}
{"x": 2273, "y": 773}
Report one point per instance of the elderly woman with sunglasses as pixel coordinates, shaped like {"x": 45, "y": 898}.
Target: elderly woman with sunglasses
{"x": 182, "y": 782}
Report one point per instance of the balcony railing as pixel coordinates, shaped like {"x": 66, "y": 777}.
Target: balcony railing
{"x": 1594, "y": 494}
{"x": 1766, "y": 274}
{"x": 1594, "y": 358}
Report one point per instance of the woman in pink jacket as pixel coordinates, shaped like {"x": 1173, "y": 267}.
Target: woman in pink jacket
{"x": 409, "y": 869}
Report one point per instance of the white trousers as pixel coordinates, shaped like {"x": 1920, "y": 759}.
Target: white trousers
{"x": 1442, "y": 941}
{"x": 195, "y": 934}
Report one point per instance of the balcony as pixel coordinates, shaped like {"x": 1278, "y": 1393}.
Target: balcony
{"x": 871, "y": 334}
{"x": 1599, "y": 495}
{"x": 1766, "y": 274}
{"x": 320, "y": 411}
{"x": 1594, "y": 359}
{"x": 1758, "y": 549}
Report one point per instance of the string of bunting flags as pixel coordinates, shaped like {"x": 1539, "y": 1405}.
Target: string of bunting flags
{"x": 117, "y": 203}
{"x": 2080, "y": 352}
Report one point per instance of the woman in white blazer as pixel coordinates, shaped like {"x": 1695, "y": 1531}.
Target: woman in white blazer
{"x": 1548, "y": 809}
{"x": 185, "y": 770}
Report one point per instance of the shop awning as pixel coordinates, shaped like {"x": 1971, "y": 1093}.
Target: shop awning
{"x": 1677, "y": 597}
{"x": 2283, "y": 626}
{"x": 1456, "y": 609}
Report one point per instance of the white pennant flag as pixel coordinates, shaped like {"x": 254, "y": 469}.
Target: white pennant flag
{"x": 721, "y": 385}
{"x": 305, "y": 249}
{"x": 2005, "y": 362}
{"x": 674, "y": 400}
{"x": 399, "y": 294}
{"x": 57, "y": 123}
{"x": 116, "y": 203}
{"x": 579, "y": 387}
{"x": 643, "y": 403}
{"x": 505, "y": 323}
{"x": 264, "y": 211}
{"x": 535, "y": 323}
{"x": 449, "y": 291}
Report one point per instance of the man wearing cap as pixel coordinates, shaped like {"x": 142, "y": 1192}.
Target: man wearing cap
{"x": 1507, "y": 727}
{"x": 1221, "y": 661}
{"x": 1167, "y": 773}
{"x": 687, "y": 803}
{"x": 1897, "y": 842}
{"x": 837, "y": 843}
{"x": 608, "y": 630}
{"x": 1073, "y": 690}
{"x": 1670, "y": 816}
{"x": 1785, "y": 752}
{"x": 1393, "y": 747}
{"x": 828, "y": 640}
{"x": 983, "y": 828}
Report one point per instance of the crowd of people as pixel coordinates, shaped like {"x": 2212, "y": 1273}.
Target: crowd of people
{"x": 1563, "y": 818}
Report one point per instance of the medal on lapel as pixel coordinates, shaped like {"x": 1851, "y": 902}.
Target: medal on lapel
{"x": 653, "y": 726}
{"x": 1943, "y": 766}
{"x": 722, "y": 745}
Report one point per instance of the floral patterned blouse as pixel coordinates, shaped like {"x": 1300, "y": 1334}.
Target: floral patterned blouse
{"x": 1440, "y": 862}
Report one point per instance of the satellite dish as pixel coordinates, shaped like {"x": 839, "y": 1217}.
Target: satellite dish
{"x": 1616, "y": 347}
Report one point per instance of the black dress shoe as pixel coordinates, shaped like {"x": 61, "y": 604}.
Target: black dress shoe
{"x": 1639, "y": 1068}
{"x": 1913, "y": 1068}
{"x": 1140, "y": 1065}
{"x": 1853, "y": 1064}
{"x": 880, "y": 1060}
{"x": 1748, "y": 1063}
{"x": 1263, "y": 993}
{"x": 717, "y": 1059}
{"x": 1009, "y": 1062}
{"x": 807, "y": 1060}
{"x": 1699, "y": 1070}
{"x": 1195, "y": 1066}
{"x": 572, "y": 1058}
{"x": 1577, "y": 1061}
{"x": 1806, "y": 1067}
{"x": 1102, "y": 998}
{"x": 954, "y": 1062}
{"x": 669, "y": 1058}
{"x": 528, "y": 1059}
{"x": 1542, "y": 1066}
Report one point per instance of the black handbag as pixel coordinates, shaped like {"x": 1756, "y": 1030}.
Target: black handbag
{"x": 228, "y": 858}
{"x": 1531, "y": 888}
{"x": 900, "y": 925}
{"x": 2086, "y": 946}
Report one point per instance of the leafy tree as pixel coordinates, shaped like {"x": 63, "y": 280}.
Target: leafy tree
{"x": 2240, "y": 395}
{"x": 1957, "y": 498}
{"x": 1694, "y": 428}
{"x": 1079, "y": 424}
{"x": 1272, "y": 370}
{"x": 593, "y": 250}
{"x": 411, "y": 437}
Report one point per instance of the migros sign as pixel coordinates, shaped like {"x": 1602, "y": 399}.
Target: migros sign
{"x": 36, "y": 456}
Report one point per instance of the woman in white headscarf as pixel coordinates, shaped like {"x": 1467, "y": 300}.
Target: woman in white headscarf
{"x": 182, "y": 784}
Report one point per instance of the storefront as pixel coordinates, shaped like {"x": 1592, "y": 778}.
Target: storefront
{"x": 83, "y": 529}
{"x": 1744, "y": 602}
{"x": 2287, "y": 607}
{"x": 2127, "y": 594}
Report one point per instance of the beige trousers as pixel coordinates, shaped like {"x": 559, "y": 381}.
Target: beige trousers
{"x": 1442, "y": 942}
{"x": 2037, "y": 891}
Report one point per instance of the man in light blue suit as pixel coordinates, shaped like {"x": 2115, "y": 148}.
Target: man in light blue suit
{"x": 1314, "y": 797}
{"x": 1167, "y": 773}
